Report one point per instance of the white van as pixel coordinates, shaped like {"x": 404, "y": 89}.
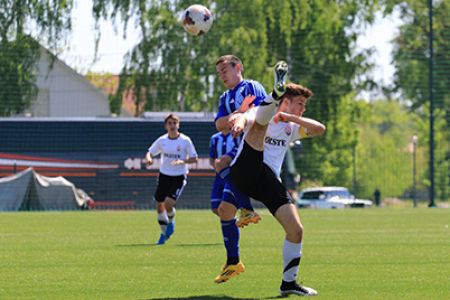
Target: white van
{"x": 329, "y": 197}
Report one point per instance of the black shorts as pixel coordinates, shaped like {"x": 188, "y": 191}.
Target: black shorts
{"x": 169, "y": 186}
{"x": 255, "y": 179}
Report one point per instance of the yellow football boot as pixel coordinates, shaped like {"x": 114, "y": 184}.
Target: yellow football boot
{"x": 246, "y": 217}
{"x": 229, "y": 272}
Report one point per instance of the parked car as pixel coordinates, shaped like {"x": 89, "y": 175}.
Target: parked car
{"x": 329, "y": 197}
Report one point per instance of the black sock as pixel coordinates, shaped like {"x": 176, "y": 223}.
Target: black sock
{"x": 232, "y": 260}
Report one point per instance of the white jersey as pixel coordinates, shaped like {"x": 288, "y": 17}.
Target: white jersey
{"x": 276, "y": 142}
{"x": 173, "y": 149}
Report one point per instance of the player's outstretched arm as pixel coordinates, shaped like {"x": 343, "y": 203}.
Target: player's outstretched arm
{"x": 309, "y": 127}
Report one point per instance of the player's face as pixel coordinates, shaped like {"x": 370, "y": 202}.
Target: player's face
{"x": 297, "y": 105}
{"x": 172, "y": 126}
{"x": 229, "y": 75}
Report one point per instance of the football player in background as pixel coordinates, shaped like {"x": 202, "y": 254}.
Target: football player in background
{"x": 177, "y": 151}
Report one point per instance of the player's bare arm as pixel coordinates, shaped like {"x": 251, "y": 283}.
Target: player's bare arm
{"x": 309, "y": 127}
{"x": 190, "y": 160}
{"x": 247, "y": 104}
{"x": 212, "y": 162}
{"x": 222, "y": 123}
{"x": 237, "y": 122}
{"x": 148, "y": 159}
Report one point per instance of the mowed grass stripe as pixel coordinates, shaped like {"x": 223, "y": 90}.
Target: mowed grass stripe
{"x": 347, "y": 254}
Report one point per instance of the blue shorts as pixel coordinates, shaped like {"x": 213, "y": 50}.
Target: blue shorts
{"x": 232, "y": 153}
{"x": 230, "y": 197}
{"x": 217, "y": 192}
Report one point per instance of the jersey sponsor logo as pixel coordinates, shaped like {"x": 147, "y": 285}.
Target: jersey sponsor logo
{"x": 170, "y": 155}
{"x": 275, "y": 142}
{"x": 178, "y": 148}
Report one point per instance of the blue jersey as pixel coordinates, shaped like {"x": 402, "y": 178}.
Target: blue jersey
{"x": 231, "y": 100}
{"x": 220, "y": 144}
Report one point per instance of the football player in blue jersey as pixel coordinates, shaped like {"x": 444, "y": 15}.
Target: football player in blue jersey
{"x": 241, "y": 95}
{"x": 220, "y": 144}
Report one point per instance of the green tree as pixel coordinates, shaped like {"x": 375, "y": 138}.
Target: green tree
{"x": 21, "y": 22}
{"x": 317, "y": 38}
{"x": 170, "y": 70}
{"x": 384, "y": 152}
{"x": 411, "y": 58}
{"x": 17, "y": 78}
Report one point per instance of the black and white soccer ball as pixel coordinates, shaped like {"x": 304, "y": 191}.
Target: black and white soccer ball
{"x": 197, "y": 19}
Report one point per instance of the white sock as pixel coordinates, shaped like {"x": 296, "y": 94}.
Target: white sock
{"x": 163, "y": 220}
{"x": 292, "y": 253}
{"x": 171, "y": 214}
{"x": 266, "y": 110}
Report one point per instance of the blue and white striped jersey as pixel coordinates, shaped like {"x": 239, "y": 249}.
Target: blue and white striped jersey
{"x": 232, "y": 99}
{"x": 220, "y": 144}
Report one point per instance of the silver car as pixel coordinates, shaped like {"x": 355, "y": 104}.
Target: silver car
{"x": 329, "y": 197}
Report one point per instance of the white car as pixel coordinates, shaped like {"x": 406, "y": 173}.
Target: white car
{"x": 329, "y": 197}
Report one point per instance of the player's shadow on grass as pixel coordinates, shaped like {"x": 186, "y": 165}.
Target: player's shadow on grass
{"x": 178, "y": 245}
{"x": 199, "y": 245}
{"x": 208, "y": 297}
{"x": 137, "y": 245}
{"x": 215, "y": 297}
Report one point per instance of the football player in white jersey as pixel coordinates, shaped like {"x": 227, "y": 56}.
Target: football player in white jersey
{"x": 268, "y": 130}
{"x": 177, "y": 151}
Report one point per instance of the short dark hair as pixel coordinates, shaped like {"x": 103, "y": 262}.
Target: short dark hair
{"x": 293, "y": 90}
{"x": 232, "y": 60}
{"x": 171, "y": 116}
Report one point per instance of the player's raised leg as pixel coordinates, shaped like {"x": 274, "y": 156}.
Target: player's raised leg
{"x": 267, "y": 109}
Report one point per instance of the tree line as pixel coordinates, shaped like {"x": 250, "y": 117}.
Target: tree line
{"x": 167, "y": 70}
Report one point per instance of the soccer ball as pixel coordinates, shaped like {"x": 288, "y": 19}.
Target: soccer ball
{"x": 197, "y": 19}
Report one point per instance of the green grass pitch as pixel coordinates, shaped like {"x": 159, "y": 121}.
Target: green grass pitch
{"x": 347, "y": 254}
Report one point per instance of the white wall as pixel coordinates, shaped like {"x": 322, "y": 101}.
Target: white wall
{"x": 65, "y": 93}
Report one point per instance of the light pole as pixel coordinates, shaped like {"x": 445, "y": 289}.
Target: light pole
{"x": 414, "y": 141}
{"x": 430, "y": 88}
